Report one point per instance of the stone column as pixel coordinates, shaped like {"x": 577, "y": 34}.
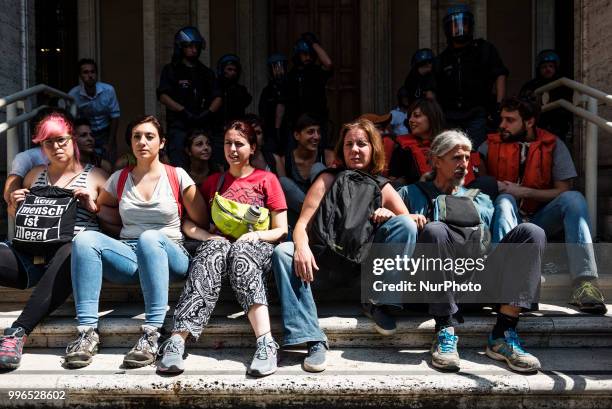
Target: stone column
{"x": 88, "y": 12}
{"x": 203, "y": 23}
{"x": 150, "y": 40}
{"x": 252, "y": 45}
{"x": 479, "y": 9}
{"x": 375, "y": 56}
{"x": 545, "y": 25}
{"x": 425, "y": 24}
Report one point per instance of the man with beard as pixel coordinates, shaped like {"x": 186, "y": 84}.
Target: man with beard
{"x": 186, "y": 89}
{"x": 534, "y": 171}
{"x": 557, "y": 121}
{"x": 97, "y": 102}
{"x": 306, "y": 85}
{"x": 465, "y": 74}
{"x": 272, "y": 105}
{"x": 513, "y": 282}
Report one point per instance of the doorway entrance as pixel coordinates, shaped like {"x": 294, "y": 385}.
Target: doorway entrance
{"x": 336, "y": 24}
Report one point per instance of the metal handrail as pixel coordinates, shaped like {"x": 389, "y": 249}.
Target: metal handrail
{"x": 592, "y": 96}
{"x": 581, "y": 112}
{"x": 13, "y": 120}
{"x": 577, "y": 86}
{"x": 36, "y": 89}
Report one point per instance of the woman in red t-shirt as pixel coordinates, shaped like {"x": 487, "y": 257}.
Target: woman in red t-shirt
{"x": 246, "y": 261}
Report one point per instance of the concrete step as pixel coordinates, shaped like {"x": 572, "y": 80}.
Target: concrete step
{"x": 345, "y": 326}
{"x": 556, "y": 288}
{"x": 355, "y": 377}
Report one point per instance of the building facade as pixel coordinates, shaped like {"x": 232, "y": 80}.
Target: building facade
{"x": 370, "y": 42}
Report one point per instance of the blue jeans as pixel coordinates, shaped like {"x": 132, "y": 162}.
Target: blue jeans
{"x": 299, "y": 312}
{"x": 153, "y": 260}
{"x": 566, "y": 213}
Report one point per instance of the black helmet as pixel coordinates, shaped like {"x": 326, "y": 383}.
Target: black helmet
{"x": 277, "y": 63}
{"x": 188, "y": 35}
{"x": 547, "y": 56}
{"x": 301, "y": 46}
{"x": 228, "y": 59}
{"x": 422, "y": 56}
{"x": 459, "y": 24}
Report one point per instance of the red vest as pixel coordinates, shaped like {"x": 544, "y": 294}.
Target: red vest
{"x": 420, "y": 152}
{"x": 503, "y": 162}
{"x": 388, "y": 145}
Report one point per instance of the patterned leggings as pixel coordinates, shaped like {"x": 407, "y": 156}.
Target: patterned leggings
{"x": 246, "y": 263}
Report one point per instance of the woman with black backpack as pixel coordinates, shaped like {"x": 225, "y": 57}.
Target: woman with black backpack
{"x": 361, "y": 154}
{"x": 57, "y": 201}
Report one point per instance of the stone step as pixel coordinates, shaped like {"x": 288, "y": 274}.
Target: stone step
{"x": 355, "y": 377}
{"x": 345, "y": 326}
{"x": 556, "y": 288}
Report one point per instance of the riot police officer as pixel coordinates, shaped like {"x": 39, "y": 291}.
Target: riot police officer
{"x": 466, "y": 72}
{"x": 420, "y": 80}
{"x": 186, "y": 89}
{"x": 231, "y": 97}
{"x": 307, "y": 80}
{"x": 557, "y": 121}
{"x": 272, "y": 105}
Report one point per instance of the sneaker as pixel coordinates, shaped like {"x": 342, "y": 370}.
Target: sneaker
{"x": 264, "y": 361}
{"x": 384, "y": 322}
{"x": 145, "y": 350}
{"x": 316, "y": 361}
{"x": 588, "y": 298}
{"x": 172, "y": 353}
{"x": 80, "y": 351}
{"x": 509, "y": 349}
{"x": 444, "y": 354}
{"x": 11, "y": 347}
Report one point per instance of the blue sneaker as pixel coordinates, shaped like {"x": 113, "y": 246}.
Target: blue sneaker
{"x": 509, "y": 349}
{"x": 316, "y": 360}
{"x": 444, "y": 354}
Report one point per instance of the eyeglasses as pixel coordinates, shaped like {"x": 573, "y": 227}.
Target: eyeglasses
{"x": 61, "y": 142}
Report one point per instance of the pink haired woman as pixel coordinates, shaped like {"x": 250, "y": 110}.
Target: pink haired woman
{"x": 49, "y": 270}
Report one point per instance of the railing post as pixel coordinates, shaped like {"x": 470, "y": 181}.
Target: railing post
{"x": 590, "y": 165}
{"x": 73, "y": 108}
{"x": 12, "y": 148}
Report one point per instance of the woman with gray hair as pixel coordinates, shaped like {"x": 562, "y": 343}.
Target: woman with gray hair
{"x": 510, "y": 282}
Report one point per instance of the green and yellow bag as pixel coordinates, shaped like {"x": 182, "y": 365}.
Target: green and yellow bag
{"x": 232, "y": 218}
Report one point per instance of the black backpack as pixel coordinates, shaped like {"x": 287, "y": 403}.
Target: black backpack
{"x": 460, "y": 214}
{"x": 45, "y": 220}
{"x": 341, "y": 231}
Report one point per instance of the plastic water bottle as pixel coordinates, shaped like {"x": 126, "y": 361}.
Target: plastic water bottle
{"x": 251, "y": 217}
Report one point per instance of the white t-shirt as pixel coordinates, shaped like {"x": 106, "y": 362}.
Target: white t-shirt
{"x": 159, "y": 213}
{"x": 27, "y": 160}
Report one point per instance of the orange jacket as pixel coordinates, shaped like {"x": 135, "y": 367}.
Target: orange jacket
{"x": 420, "y": 152}
{"x": 388, "y": 145}
{"x": 503, "y": 162}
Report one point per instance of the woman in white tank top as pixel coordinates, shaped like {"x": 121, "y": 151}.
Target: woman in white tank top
{"x": 150, "y": 198}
